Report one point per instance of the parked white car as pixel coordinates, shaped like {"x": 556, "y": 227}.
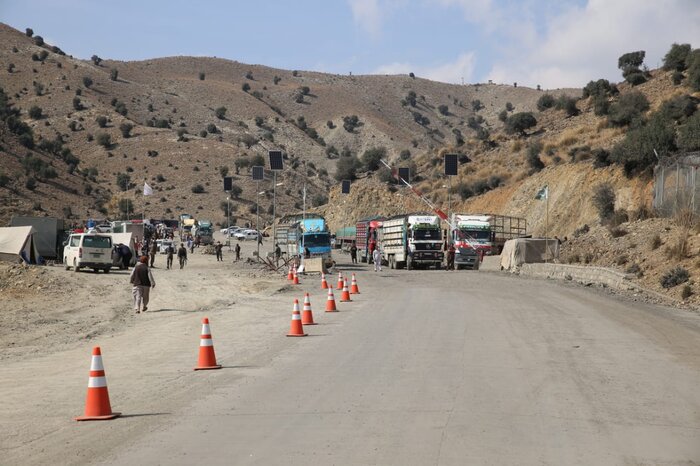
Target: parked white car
{"x": 162, "y": 245}
{"x": 246, "y": 235}
{"x": 89, "y": 250}
{"x": 232, "y": 232}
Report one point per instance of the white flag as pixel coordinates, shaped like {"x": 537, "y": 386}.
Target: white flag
{"x": 147, "y": 190}
{"x": 542, "y": 193}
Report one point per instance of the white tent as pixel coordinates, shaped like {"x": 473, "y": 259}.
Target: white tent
{"x": 18, "y": 243}
{"x": 528, "y": 251}
{"x": 127, "y": 239}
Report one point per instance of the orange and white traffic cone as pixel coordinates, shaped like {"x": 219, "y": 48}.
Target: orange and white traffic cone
{"x": 345, "y": 295}
{"x": 207, "y": 358}
{"x": 307, "y": 317}
{"x": 290, "y": 274}
{"x": 330, "y": 303}
{"x": 354, "y": 289}
{"x": 324, "y": 283}
{"x": 296, "y": 329}
{"x": 340, "y": 281}
{"x": 97, "y": 407}
{"x": 295, "y": 278}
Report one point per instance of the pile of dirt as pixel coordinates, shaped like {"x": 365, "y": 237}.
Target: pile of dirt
{"x": 22, "y": 279}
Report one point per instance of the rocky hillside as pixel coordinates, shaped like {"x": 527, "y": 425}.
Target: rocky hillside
{"x": 179, "y": 123}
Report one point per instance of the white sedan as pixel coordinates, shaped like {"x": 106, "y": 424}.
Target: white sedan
{"x": 243, "y": 235}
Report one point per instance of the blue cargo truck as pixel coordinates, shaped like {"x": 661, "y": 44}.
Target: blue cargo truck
{"x": 305, "y": 236}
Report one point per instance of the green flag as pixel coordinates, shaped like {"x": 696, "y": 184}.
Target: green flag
{"x": 542, "y": 193}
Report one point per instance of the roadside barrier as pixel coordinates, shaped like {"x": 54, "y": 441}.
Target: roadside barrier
{"x": 324, "y": 283}
{"x": 340, "y": 281}
{"x": 307, "y": 317}
{"x": 296, "y": 329}
{"x": 330, "y": 303}
{"x": 345, "y": 295}
{"x": 354, "y": 288}
{"x": 97, "y": 406}
{"x": 207, "y": 358}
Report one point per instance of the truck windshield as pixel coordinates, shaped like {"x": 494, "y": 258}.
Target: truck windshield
{"x": 425, "y": 234}
{"x": 483, "y": 235}
{"x": 316, "y": 240}
{"x": 97, "y": 242}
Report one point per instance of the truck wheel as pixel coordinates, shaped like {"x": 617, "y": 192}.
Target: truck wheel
{"x": 66, "y": 265}
{"x": 409, "y": 263}
{"x": 107, "y": 269}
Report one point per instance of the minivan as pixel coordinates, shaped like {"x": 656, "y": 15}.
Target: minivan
{"x": 89, "y": 250}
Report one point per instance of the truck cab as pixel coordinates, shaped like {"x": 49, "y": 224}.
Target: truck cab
{"x": 424, "y": 241}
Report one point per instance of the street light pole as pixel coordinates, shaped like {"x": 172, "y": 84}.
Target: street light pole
{"x": 274, "y": 206}
{"x": 228, "y": 221}
{"x": 257, "y": 214}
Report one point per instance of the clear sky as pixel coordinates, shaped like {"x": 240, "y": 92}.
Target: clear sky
{"x": 555, "y": 43}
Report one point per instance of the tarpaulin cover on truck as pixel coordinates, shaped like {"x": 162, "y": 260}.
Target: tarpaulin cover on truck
{"x": 528, "y": 251}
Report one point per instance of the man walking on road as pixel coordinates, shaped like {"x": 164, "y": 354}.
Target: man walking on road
{"x": 353, "y": 253}
{"x": 377, "y": 258}
{"x": 141, "y": 283}
{"x": 238, "y": 252}
{"x": 182, "y": 255}
{"x": 170, "y": 251}
{"x": 219, "y": 253}
{"x": 154, "y": 251}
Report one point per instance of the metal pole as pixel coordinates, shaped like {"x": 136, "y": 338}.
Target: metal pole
{"x": 303, "y": 217}
{"x": 228, "y": 220}
{"x": 449, "y": 208}
{"x": 546, "y": 228}
{"x": 257, "y": 214}
{"x": 274, "y": 205}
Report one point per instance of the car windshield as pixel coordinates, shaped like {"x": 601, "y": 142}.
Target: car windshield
{"x": 97, "y": 242}
{"x": 424, "y": 234}
{"x": 483, "y": 235}
{"x": 316, "y": 240}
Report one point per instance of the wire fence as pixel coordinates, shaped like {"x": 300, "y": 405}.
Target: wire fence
{"x": 677, "y": 186}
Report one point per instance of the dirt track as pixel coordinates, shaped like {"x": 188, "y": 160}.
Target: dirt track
{"x": 424, "y": 368}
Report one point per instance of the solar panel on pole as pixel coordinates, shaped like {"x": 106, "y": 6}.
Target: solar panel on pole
{"x": 228, "y": 183}
{"x": 275, "y": 157}
{"x": 258, "y": 173}
{"x": 345, "y": 187}
{"x": 405, "y": 174}
{"x": 451, "y": 164}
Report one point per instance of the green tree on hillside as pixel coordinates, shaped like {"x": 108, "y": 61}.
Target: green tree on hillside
{"x": 520, "y": 122}
{"x": 629, "y": 63}
{"x": 675, "y": 58}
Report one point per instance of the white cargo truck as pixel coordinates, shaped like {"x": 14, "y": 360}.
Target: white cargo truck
{"x": 411, "y": 241}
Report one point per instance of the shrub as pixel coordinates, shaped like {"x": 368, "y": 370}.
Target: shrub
{"x": 4, "y": 180}
{"x": 444, "y": 110}
{"x": 636, "y": 78}
{"x": 604, "y": 201}
{"x": 674, "y": 277}
{"x": 10, "y": 67}
{"x": 503, "y": 115}
{"x": 161, "y": 123}
{"x": 477, "y": 105}
{"x": 276, "y": 79}
{"x": 319, "y": 200}
{"x": 30, "y": 184}
{"x": 346, "y": 168}
{"x": 420, "y": 119}
{"x": 27, "y": 140}
{"x": 248, "y": 140}
{"x": 236, "y": 190}
{"x": 568, "y": 104}
{"x": 126, "y": 128}
{"x": 123, "y": 181}
{"x": 245, "y": 87}
{"x": 87, "y": 81}
{"x": 687, "y": 292}
{"x": 101, "y": 121}
{"x": 96, "y": 60}
{"x": 38, "y": 40}
{"x": 412, "y": 75}
{"x": 350, "y": 123}
{"x": 675, "y": 58}
{"x": 202, "y": 75}
{"x": 405, "y": 154}
{"x": 304, "y": 90}
{"x": 678, "y": 108}
{"x": 636, "y": 152}
{"x": 628, "y": 109}
{"x": 35, "y": 112}
{"x": 619, "y": 217}
{"x": 103, "y": 139}
{"x": 689, "y": 134}
{"x": 545, "y": 101}
{"x": 601, "y": 158}
{"x": 693, "y": 63}
{"x": 677, "y": 77}
{"x": 630, "y": 62}
{"x": 220, "y": 113}
{"x": 29, "y": 32}
{"x": 533, "y": 156}
{"x": 371, "y": 158}
{"x": 509, "y": 106}
{"x": 113, "y": 74}
{"x": 203, "y": 133}
{"x": 520, "y": 122}
{"x": 411, "y": 98}
{"x": 198, "y": 189}
{"x": 618, "y": 232}
{"x": 601, "y": 105}
{"x": 77, "y": 104}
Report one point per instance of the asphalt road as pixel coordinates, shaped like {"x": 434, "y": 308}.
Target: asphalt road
{"x": 433, "y": 368}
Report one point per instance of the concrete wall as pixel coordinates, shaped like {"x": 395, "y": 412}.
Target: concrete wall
{"x": 580, "y": 273}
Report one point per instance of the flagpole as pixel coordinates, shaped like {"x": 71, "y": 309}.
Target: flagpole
{"x": 546, "y": 226}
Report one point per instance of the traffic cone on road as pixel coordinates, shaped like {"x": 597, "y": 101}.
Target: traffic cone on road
{"x": 207, "y": 358}
{"x": 330, "y": 303}
{"x": 345, "y": 295}
{"x": 340, "y": 281}
{"x": 354, "y": 289}
{"x": 324, "y": 283}
{"x": 295, "y": 278}
{"x": 307, "y": 317}
{"x": 97, "y": 407}
{"x": 290, "y": 274}
{"x": 296, "y": 329}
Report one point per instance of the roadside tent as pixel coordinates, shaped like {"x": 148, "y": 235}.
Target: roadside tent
{"x": 528, "y": 251}
{"x": 18, "y": 243}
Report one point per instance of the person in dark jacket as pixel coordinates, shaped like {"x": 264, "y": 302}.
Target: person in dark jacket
{"x": 182, "y": 255}
{"x": 169, "y": 258}
{"x": 141, "y": 283}
{"x": 125, "y": 255}
{"x": 353, "y": 253}
{"x": 218, "y": 248}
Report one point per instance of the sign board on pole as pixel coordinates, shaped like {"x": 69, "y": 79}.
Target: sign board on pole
{"x": 405, "y": 174}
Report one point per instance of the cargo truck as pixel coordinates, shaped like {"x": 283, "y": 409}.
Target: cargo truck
{"x": 476, "y": 235}
{"x": 204, "y": 230}
{"x": 296, "y": 234}
{"x": 366, "y": 235}
{"x": 411, "y": 241}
